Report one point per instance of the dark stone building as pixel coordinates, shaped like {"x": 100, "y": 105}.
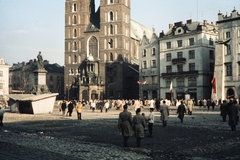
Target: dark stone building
{"x": 21, "y": 77}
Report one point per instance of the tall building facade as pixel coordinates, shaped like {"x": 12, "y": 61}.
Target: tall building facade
{"x": 227, "y": 62}
{"x": 149, "y": 66}
{"x": 100, "y": 51}
{"x": 4, "y": 80}
{"x": 187, "y": 60}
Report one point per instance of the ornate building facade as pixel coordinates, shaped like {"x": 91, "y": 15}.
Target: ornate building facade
{"x": 101, "y": 49}
{"x": 187, "y": 60}
{"x": 227, "y": 62}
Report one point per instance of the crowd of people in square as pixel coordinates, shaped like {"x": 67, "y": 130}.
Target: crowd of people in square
{"x": 138, "y": 124}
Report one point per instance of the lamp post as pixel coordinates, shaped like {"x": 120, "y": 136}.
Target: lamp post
{"x": 79, "y": 84}
{"x": 68, "y": 86}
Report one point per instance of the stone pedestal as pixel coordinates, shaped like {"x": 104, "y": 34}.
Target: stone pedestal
{"x": 40, "y": 86}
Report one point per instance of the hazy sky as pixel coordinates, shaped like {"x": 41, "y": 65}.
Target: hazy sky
{"x": 30, "y": 26}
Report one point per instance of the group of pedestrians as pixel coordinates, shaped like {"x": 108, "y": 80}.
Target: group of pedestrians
{"x": 129, "y": 125}
{"x": 70, "y": 106}
{"x": 231, "y": 109}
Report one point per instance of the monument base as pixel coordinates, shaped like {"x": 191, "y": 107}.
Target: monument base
{"x": 32, "y": 104}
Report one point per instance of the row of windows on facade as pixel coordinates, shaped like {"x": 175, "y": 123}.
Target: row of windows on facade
{"x": 227, "y": 34}
{"x": 89, "y": 68}
{"x": 180, "y": 82}
{"x": 228, "y": 68}
{"x": 191, "y": 55}
{"x": 191, "y": 42}
{"x": 75, "y": 6}
{"x": 108, "y": 44}
{"x": 110, "y": 17}
{"x": 108, "y": 30}
{"x": 180, "y": 67}
{"x": 107, "y": 58}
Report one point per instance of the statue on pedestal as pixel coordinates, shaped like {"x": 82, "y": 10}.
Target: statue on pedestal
{"x": 40, "y": 64}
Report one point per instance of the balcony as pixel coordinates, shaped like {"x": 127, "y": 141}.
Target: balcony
{"x": 178, "y": 60}
{"x": 184, "y": 73}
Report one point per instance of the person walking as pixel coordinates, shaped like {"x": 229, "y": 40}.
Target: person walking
{"x": 63, "y": 107}
{"x": 79, "y": 110}
{"x": 125, "y": 124}
{"x": 213, "y": 105}
{"x": 70, "y": 108}
{"x": 93, "y": 105}
{"x": 150, "y": 122}
{"x": 190, "y": 105}
{"x": 106, "y": 106}
{"x": 157, "y": 104}
{"x": 181, "y": 111}
{"x": 209, "y": 103}
{"x": 164, "y": 111}
{"x": 232, "y": 113}
{"x": 223, "y": 110}
{"x": 138, "y": 126}
{"x": 2, "y": 111}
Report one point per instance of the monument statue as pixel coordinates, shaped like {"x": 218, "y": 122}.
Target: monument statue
{"x": 40, "y": 61}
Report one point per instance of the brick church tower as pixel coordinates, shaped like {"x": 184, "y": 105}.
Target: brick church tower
{"x": 97, "y": 47}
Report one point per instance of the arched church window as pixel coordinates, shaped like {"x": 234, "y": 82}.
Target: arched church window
{"x": 69, "y": 59}
{"x": 110, "y": 43}
{"x": 74, "y": 7}
{"x": 75, "y": 46}
{"x": 111, "y": 29}
{"x": 75, "y": 59}
{"x": 74, "y": 19}
{"x": 75, "y": 33}
{"x": 93, "y": 47}
{"x": 111, "y": 16}
{"x": 111, "y": 57}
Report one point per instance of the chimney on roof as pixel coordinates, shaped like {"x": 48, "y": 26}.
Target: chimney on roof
{"x": 170, "y": 26}
{"x": 178, "y": 24}
{"x": 204, "y": 22}
{"x": 189, "y": 21}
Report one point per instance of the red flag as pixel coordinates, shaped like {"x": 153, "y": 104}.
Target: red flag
{"x": 214, "y": 85}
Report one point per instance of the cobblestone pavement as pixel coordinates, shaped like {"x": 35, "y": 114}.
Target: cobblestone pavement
{"x": 202, "y": 136}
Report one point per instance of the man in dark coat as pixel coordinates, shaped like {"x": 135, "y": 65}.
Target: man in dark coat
{"x": 232, "y": 113}
{"x": 70, "y": 108}
{"x": 223, "y": 109}
{"x": 181, "y": 111}
{"x": 138, "y": 126}
{"x": 157, "y": 104}
{"x": 125, "y": 124}
{"x": 63, "y": 107}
